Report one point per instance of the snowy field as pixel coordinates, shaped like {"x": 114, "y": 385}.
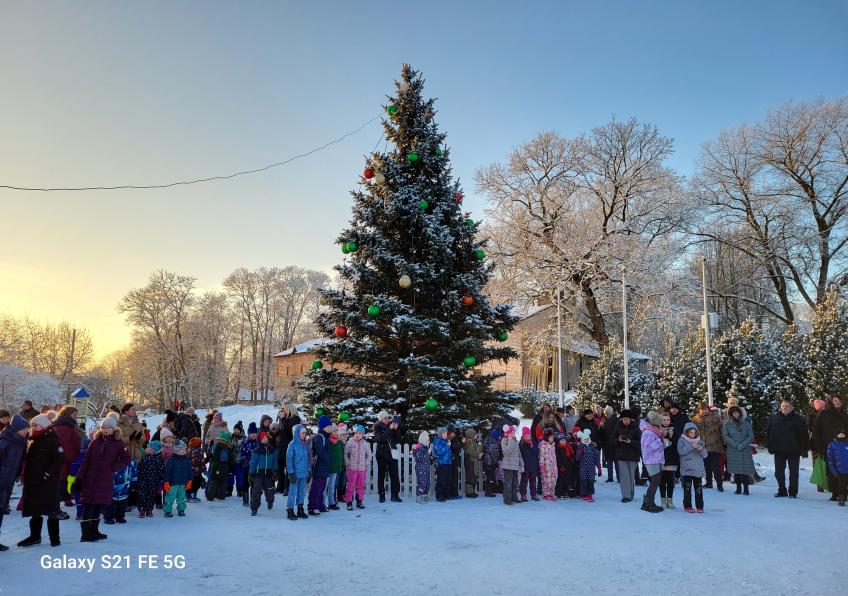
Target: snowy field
{"x": 741, "y": 545}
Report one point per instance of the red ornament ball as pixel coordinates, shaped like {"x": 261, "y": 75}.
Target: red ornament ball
{"x": 458, "y": 197}
{"x": 341, "y": 331}
{"x": 368, "y": 173}
{"x": 467, "y": 300}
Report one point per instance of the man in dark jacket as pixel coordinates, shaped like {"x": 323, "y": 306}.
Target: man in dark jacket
{"x": 387, "y": 437}
{"x": 456, "y": 450}
{"x": 28, "y": 412}
{"x": 182, "y": 425}
{"x": 786, "y": 436}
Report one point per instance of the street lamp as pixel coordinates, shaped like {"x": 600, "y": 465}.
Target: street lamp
{"x": 708, "y": 320}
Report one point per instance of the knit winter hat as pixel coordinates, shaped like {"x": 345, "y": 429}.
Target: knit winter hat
{"x": 547, "y": 432}
{"x": 251, "y": 428}
{"x": 217, "y": 416}
{"x": 559, "y": 437}
{"x": 470, "y": 433}
{"x": 156, "y": 446}
{"x": 359, "y": 429}
{"x": 508, "y": 429}
{"x": 654, "y": 418}
{"x": 194, "y": 442}
{"x": 179, "y": 445}
{"x": 225, "y": 436}
{"x": 5, "y": 414}
{"x": 18, "y": 423}
{"x": 625, "y": 414}
{"x": 525, "y": 431}
{"x": 609, "y": 411}
{"x": 442, "y": 430}
{"x": 42, "y": 421}
{"x": 819, "y": 405}
{"x": 342, "y": 428}
{"x": 424, "y": 438}
{"x": 165, "y": 433}
{"x": 382, "y": 415}
{"x": 109, "y": 421}
{"x": 324, "y": 421}
{"x": 586, "y": 440}
{"x": 263, "y": 435}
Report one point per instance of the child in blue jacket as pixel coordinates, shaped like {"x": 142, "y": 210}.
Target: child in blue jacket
{"x": 444, "y": 463}
{"x": 178, "y": 475}
{"x": 248, "y": 446}
{"x": 298, "y": 469}
{"x": 421, "y": 455}
{"x": 837, "y": 463}
{"x": 262, "y": 473}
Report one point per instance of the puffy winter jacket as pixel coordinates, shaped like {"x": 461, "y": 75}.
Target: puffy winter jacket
{"x": 12, "y": 449}
{"x": 178, "y": 470}
{"x": 691, "y": 460}
{"x": 442, "y": 451}
{"x": 336, "y": 457}
{"x": 103, "y": 457}
{"x": 511, "y": 455}
{"x": 653, "y": 450}
{"x": 297, "y": 456}
{"x": 837, "y": 456}
{"x": 589, "y": 458}
{"x": 321, "y": 452}
{"x": 263, "y": 459}
{"x": 248, "y": 446}
{"x": 357, "y": 455}
{"x": 492, "y": 450}
{"x": 529, "y": 455}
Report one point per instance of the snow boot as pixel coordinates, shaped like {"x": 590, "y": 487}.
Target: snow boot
{"x": 359, "y": 504}
{"x": 35, "y": 524}
{"x": 3, "y": 547}
{"x": 397, "y": 499}
{"x": 95, "y": 530}
{"x": 53, "y": 531}
{"x": 290, "y": 515}
{"x": 334, "y": 507}
{"x": 244, "y": 499}
{"x": 180, "y": 513}
{"x": 688, "y": 510}
{"x": 253, "y": 513}
{"x": 669, "y": 503}
{"x": 169, "y": 514}
{"x": 649, "y": 506}
{"x": 383, "y": 498}
{"x": 350, "y": 505}
{"x": 301, "y": 513}
{"x": 270, "y": 506}
{"x": 738, "y": 487}
{"x": 745, "y": 489}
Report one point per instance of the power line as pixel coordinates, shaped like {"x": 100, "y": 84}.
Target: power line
{"x": 198, "y": 180}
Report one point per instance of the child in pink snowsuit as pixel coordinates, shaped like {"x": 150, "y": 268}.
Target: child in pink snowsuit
{"x": 357, "y": 456}
{"x": 547, "y": 464}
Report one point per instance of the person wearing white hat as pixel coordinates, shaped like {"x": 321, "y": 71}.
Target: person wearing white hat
{"x": 42, "y": 463}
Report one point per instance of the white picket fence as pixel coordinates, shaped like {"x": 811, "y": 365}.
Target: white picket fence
{"x": 407, "y": 476}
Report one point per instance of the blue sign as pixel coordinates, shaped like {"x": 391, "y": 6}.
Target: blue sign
{"x": 81, "y": 393}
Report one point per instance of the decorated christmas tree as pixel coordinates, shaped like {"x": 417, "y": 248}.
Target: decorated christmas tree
{"x": 410, "y": 326}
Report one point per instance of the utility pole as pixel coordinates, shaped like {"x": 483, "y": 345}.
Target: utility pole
{"x": 707, "y": 331}
{"x": 559, "y": 346}
{"x": 624, "y": 337}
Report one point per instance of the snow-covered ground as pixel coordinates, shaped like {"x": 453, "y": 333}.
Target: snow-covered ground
{"x": 741, "y": 545}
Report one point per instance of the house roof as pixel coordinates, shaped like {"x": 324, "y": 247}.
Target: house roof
{"x": 304, "y": 346}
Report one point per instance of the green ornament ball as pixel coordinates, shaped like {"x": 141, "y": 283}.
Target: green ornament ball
{"x": 392, "y": 109}
{"x": 469, "y": 361}
{"x": 412, "y": 157}
{"x": 317, "y": 364}
{"x": 345, "y": 249}
{"x": 423, "y": 204}
{"x": 503, "y": 336}
{"x": 431, "y": 404}
{"x": 469, "y": 222}
{"x": 479, "y": 254}
{"x": 344, "y": 416}
{"x": 319, "y": 411}
{"x": 352, "y": 246}
{"x": 373, "y": 310}
{"x": 439, "y": 152}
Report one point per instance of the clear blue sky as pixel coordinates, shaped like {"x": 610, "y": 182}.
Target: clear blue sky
{"x": 119, "y": 92}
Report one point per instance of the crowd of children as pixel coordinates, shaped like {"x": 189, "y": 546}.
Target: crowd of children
{"x": 104, "y": 475}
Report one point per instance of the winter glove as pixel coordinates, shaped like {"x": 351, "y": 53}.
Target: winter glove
{"x": 250, "y": 478}
{"x": 167, "y": 487}
{"x": 71, "y": 480}
{"x": 188, "y": 485}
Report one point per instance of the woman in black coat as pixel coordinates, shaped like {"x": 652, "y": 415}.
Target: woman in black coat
{"x": 829, "y": 420}
{"x": 288, "y": 419}
{"x": 42, "y": 464}
{"x": 13, "y": 445}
